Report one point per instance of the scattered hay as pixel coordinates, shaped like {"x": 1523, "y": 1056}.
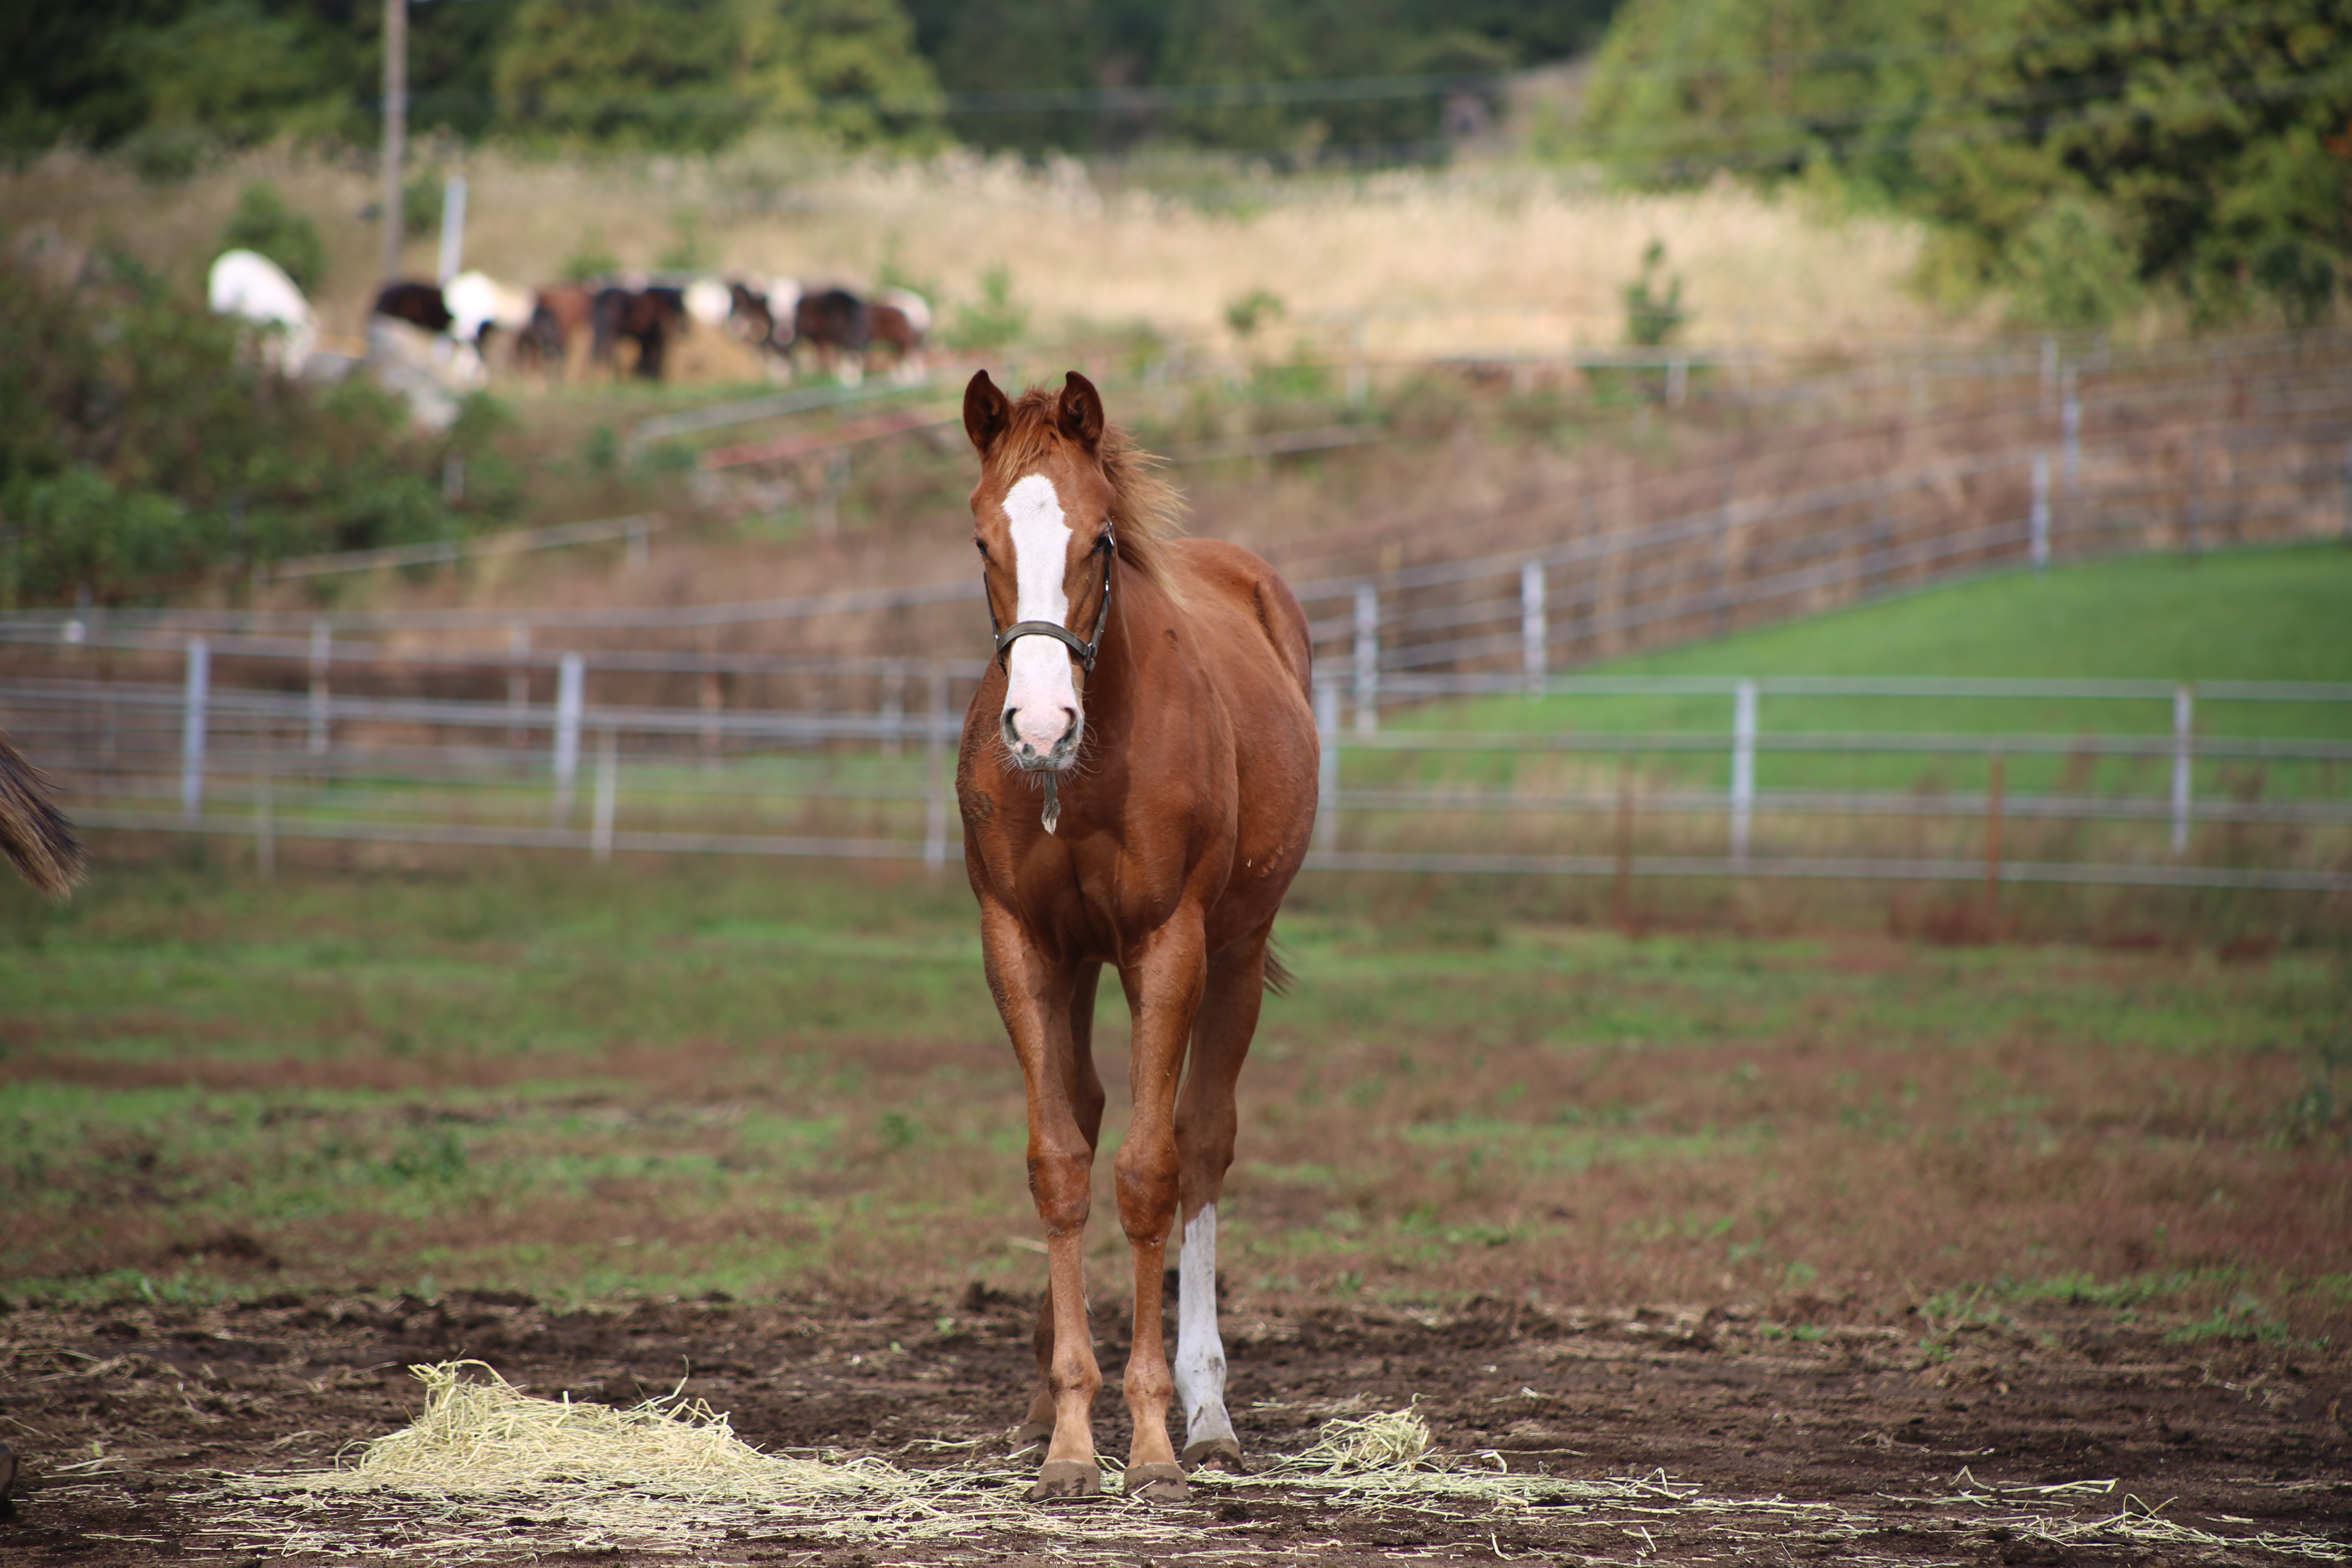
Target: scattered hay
{"x": 487, "y": 1435}
{"x": 490, "y": 1474}
{"x": 1397, "y": 1439}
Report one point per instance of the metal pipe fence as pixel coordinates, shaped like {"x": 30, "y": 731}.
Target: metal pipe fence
{"x": 474, "y": 726}
{"x": 203, "y": 756}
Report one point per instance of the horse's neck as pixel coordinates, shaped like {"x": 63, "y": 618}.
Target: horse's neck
{"x": 1140, "y": 612}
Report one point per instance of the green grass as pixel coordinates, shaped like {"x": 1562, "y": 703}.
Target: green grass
{"x": 2281, "y": 615}
{"x": 528, "y": 1072}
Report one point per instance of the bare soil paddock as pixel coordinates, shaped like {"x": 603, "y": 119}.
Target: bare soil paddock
{"x": 1904, "y": 1433}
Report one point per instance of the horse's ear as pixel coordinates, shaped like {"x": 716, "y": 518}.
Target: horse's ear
{"x": 1081, "y": 413}
{"x": 987, "y": 411}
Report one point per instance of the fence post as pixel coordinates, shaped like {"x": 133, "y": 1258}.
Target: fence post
{"x": 1743, "y": 768}
{"x": 2348, "y": 492}
{"x": 1359, "y": 378}
{"x": 641, "y": 551}
{"x": 571, "y": 677}
{"x": 894, "y": 707}
{"x": 192, "y": 729}
{"x": 2197, "y": 502}
{"x": 1624, "y": 842}
{"x": 1719, "y": 612}
{"x": 1678, "y": 379}
{"x": 2070, "y": 437}
{"x": 826, "y": 515}
{"x": 322, "y": 656}
{"x": 935, "y": 795}
{"x": 452, "y": 227}
{"x": 1996, "y": 800}
{"x": 1368, "y": 658}
{"x": 519, "y": 686}
{"x": 1326, "y": 768}
{"x": 712, "y": 699}
{"x": 608, "y": 788}
{"x": 2049, "y": 374}
{"x": 264, "y": 837}
{"x": 1535, "y": 628}
{"x": 2038, "y": 541}
{"x": 2184, "y": 721}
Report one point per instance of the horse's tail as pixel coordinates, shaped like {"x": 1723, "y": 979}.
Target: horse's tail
{"x": 34, "y": 834}
{"x": 1278, "y": 978}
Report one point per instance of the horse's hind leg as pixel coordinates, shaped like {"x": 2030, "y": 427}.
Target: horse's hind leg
{"x": 1085, "y": 1094}
{"x": 1205, "y": 1124}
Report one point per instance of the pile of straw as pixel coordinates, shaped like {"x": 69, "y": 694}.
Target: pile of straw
{"x": 484, "y": 1435}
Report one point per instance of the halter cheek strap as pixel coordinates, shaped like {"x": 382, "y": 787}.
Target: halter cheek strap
{"x": 1056, "y": 629}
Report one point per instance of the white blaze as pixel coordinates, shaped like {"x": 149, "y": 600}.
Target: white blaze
{"x": 1200, "y": 1352}
{"x": 1038, "y": 692}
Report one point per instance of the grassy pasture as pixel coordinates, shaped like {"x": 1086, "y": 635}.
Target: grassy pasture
{"x": 519, "y": 1072}
{"x": 2261, "y": 614}
{"x": 2256, "y": 614}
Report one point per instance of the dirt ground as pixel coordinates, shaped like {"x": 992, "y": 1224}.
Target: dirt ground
{"x": 1918, "y": 1442}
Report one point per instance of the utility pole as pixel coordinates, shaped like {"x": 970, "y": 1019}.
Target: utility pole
{"x": 395, "y": 126}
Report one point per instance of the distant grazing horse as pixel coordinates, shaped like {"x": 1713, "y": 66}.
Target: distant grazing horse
{"x": 419, "y": 304}
{"x": 901, "y": 320}
{"x": 1138, "y": 788}
{"x": 480, "y": 305}
{"x": 836, "y": 326}
{"x": 559, "y": 314}
{"x": 34, "y": 834}
{"x": 249, "y": 286}
{"x": 647, "y": 317}
{"x": 752, "y": 319}
{"x": 780, "y": 317}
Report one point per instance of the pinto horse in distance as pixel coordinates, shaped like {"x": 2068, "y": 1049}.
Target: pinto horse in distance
{"x": 1137, "y": 781}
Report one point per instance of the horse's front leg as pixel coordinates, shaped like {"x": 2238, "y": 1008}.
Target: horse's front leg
{"x": 1163, "y": 983}
{"x": 1036, "y": 1428}
{"x": 1033, "y": 993}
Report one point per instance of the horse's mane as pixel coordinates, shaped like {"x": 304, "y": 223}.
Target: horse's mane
{"x": 1146, "y": 513}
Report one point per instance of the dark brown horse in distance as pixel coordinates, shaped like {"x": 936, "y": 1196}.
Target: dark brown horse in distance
{"x": 34, "y": 834}
{"x": 1137, "y": 787}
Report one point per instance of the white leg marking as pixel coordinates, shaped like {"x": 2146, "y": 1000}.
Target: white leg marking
{"x": 1200, "y": 1354}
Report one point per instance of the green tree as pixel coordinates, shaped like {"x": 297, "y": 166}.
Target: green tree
{"x": 2198, "y": 130}
{"x": 699, "y": 73}
{"x": 2075, "y": 152}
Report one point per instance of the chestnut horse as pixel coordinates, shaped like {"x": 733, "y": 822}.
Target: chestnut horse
{"x": 1138, "y": 788}
{"x": 34, "y": 835}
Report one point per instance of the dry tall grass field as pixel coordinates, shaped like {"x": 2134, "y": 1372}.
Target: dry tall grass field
{"x": 1481, "y": 259}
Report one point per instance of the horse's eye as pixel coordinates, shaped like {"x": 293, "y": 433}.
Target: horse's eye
{"x": 981, "y": 545}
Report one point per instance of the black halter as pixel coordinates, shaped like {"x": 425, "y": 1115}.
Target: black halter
{"x": 1055, "y": 629}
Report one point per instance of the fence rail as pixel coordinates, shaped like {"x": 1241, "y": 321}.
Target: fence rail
{"x": 263, "y": 762}
{"x": 577, "y": 729}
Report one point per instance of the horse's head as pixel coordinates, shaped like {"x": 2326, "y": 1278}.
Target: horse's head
{"x": 1041, "y": 519}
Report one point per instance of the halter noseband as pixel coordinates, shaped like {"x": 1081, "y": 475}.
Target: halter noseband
{"x": 1056, "y": 629}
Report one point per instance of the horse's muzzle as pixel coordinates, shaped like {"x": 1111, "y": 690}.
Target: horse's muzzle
{"x": 1033, "y": 751}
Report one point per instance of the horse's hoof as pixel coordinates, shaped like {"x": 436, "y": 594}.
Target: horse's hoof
{"x": 1031, "y": 1435}
{"x": 1158, "y": 1483}
{"x": 1215, "y": 1453}
{"x": 1067, "y": 1479}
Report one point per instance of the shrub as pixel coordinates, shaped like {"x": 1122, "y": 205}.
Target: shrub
{"x": 142, "y": 445}
{"x": 2067, "y": 267}
{"x": 1651, "y": 317}
{"x": 994, "y": 322}
{"x": 264, "y": 222}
